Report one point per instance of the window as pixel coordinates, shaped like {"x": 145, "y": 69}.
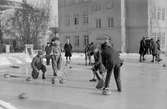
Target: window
{"x": 68, "y": 2}
{"x": 153, "y": 34}
{"x": 154, "y": 11}
{"x": 109, "y": 4}
{"x": 110, "y": 22}
{"x": 162, "y": 40}
{"x": 77, "y": 41}
{"x": 159, "y": 14}
{"x": 76, "y": 1}
{"x": 163, "y": 13}
{"x": 85, "y": 19}
{"x": 67, "y": 37}
{"x": 86, "y": 40}
{"x": 76, "y": 19}
{"x": 67, "y": 20}
{"x": 96, "y": 7}
{"x": 98, "y": 23}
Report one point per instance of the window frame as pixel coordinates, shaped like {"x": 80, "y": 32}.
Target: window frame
{"x": 76, "y": 19}
{"x": 110, "y": 22}
{"x": 98, "y": 23}
{"x": 76, "y": 42}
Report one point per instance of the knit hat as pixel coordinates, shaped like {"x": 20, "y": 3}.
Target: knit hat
{"x": 40, "y": 52}
{"x": 55, "y": 38}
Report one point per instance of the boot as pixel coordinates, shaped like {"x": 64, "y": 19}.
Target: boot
{"x": 100, "y": 84}
{"x": 53, "y": 80}
{"x": 43, "y": 76}
{"x": 93, "y": 80}
{"x": 54, "y": 74}
{"x": 106, "y": 91}
{"x": 119, "y": 90}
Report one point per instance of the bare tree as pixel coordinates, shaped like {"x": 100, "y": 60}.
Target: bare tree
{"x": 28, "y": 23}
{"x": 33, "y": 22}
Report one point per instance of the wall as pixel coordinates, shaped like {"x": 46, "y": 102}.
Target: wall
{"x": 158, "y": 21}
{"x": 108, "y": 8}
{"x": 136, "y": 23}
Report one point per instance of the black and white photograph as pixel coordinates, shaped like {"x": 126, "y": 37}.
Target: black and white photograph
{"x": 83, "y": 54}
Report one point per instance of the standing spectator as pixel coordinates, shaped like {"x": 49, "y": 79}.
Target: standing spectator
{"x": 56, "y": 59}
{"x": 48, "y": 51}
{"x": 155, "y": 50}
{"x": 56, "y": 55}
{"x": 142, "y": 49}
{"x": 68, "y": 50}
{"x": 158, "y": 50}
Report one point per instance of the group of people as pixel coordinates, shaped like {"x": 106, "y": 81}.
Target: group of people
{"x": 150, "y": 46}
{"x": 106, "y": 60}
{"x": 53, "y": 54}
{"x": 67, "y": 50}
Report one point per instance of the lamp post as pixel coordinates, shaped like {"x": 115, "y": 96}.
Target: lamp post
{"x": 123, "y": 26}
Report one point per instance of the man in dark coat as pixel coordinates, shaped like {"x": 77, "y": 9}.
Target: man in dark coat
{"x": 91, "y": 48}
{"x": 159, "y": 50}
{"x": 155, "y": 51}
{"x": 68, "y": 50}
{"x": 89, "y": 51}
{"x": 37, "y": 65}
{"x": 147, "y": 45}
{"x": 142, "y": 50}
{"x": 48, "y": 49}
{"x": 111, "y": 61}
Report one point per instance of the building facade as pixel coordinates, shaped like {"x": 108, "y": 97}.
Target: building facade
{"x": 136, "y": 22}
{"x": 83, "y": 21}
{"x": 125, "y": 21}
{"x": 158, "y": 21}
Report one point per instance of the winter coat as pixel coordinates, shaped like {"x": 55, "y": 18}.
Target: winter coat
{"x": 142, "y": 47}
{"x": 55, "y": 48}
{"x": 155, "y": 50}
{"x": 48, "y": 50}
{"x": 36, "y": 63}
{"x": 110, "y": 57}
{"x": 68, "y": 50}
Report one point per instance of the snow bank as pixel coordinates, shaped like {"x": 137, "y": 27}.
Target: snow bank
{"x": 22, "y": 58}
{"x": 14, "y": 59}
{"x": 129, "y": 55}
{"x": 4, "y": 61}
{"x": 6, "y": 105}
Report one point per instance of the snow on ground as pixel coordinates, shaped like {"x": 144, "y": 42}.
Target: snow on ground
{"x": 5, "y": 105}
{"x": 14, "y": 59}
{"x": 143, "y": 86}
{"x": 4, "y": 61}
{"x": 22, "y": 58}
